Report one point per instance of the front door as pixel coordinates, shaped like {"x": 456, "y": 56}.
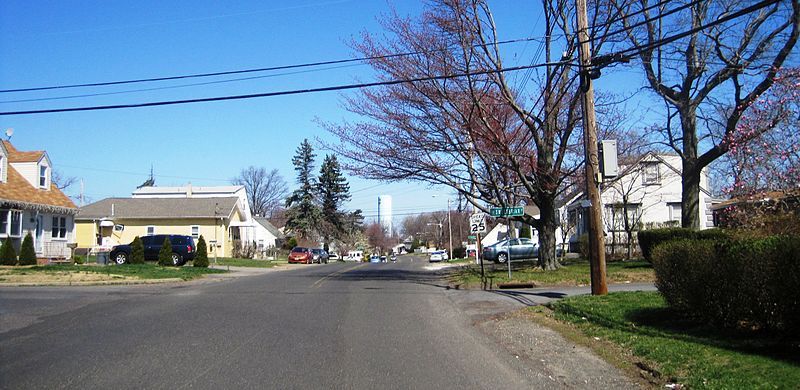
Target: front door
{"x": 39, "y": 233}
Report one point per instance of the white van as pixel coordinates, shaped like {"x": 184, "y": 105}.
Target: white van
{"x": 354, "y": 256}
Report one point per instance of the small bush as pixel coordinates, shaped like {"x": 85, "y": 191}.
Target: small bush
{"x": 27, "y": 253}
{"x": 290, "y": 243}
{"x": 201, "y": 257}
{"x": 78, "y": 259}
{"x": 8, "y": 256}
{"x": 460, "y": 253}
{"x": 583, "y": 245}
{"x": 746, "y": 283}
{"x": 649, "y": 239}
{"x": 137, "y": 251}
{"x": 165, "y": 254}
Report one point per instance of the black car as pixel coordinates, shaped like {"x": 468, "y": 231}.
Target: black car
{"x": 183, "y": 249}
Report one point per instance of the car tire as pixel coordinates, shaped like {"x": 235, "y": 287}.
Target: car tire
{"x": 120, "y": 258}
{"x": 177, "y": 260}
{"x": 502, "y": 258}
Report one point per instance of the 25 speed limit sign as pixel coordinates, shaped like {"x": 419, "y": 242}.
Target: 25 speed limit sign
{"x": 477, "y": 223}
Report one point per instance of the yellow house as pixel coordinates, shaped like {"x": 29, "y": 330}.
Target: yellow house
{"x": 112, "y": 221}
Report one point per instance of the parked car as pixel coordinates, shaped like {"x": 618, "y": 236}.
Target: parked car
{"x": 520, "y": 248}
{"x": 301, "y": 255}
{"x": 319, "y": 255}
{"x": 183, "y": 249}
{"x": 333, "y": 256}
{"x": 437, "y": 256}
{"x": 374, "y": 259}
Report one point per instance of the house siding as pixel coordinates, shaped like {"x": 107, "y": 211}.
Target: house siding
{"x": 29, "y": 171}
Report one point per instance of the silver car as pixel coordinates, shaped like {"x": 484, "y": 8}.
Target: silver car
{"x": 520, "y": 248}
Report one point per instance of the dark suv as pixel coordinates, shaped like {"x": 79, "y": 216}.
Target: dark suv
{"x": 183, "y": 249}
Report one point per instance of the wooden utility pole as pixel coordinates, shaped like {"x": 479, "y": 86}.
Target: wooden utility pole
{"x": 597, "y": 253}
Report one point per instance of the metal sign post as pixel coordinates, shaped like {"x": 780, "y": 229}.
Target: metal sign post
{"x": 508, "y": 247}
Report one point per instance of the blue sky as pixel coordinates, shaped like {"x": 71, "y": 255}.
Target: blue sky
{"x": 65, "y": 42}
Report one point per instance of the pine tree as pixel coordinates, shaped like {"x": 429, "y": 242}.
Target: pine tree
{"x": 137, "y": 251}
{"x": 201, "y": 257}
{"x": 525, "y": 231}
{"x": 8, "y": 256}
{"x": 27, "y": 254}
{"x": 303, "y": 214}
{"x": 333, "y": 192}
{"x": 165, "y": 254}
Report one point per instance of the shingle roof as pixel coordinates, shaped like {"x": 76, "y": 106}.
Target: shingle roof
{"x": 15, "y": 155}
{"x": 146, "y": 208}
{"x": 21, "y": 193}
{"x": 270, "y": 227}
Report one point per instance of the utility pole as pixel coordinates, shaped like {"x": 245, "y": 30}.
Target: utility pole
{"x": 597, "y": 253}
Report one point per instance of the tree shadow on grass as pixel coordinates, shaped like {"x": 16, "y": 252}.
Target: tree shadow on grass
{"x": 667, "y": 323}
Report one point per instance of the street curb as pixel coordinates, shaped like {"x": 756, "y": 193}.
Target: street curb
{"x": 97, "y": 283}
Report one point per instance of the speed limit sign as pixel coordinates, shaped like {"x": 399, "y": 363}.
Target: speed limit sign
{"x": 477, "y": 223}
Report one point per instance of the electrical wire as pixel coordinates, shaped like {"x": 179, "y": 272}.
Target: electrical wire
{"x": 254, "y": 70}
{"x": 271, "y": 94}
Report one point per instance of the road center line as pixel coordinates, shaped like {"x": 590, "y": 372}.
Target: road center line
{"x": 324, "y": 278}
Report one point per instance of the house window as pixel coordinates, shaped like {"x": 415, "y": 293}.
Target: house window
{"x": 651, "y": 175}
{"x": 195, "y": 232}
{"x": 59, "y": 229}
{"x": 674, "y": 211}
{"x": 617, "y": 213}
{"x": 11, "y": 223}
{"x": 43, "y": 176}
{"x": 151, "y": 230}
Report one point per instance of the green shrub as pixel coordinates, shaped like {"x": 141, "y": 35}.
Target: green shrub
{"x": 27, "y": 253}
{"x": 201, "y": 257}
{"x": 737, "y": 282}
{"x": 525, "y": 231}
{"x": 78, "y": 259}
{"x": 165, "y": 254}
{"x": 649, "y": 239}
{"x": 8, "y": 256}
{"x": 290, "y": 243}
{"x": 460, "y": 253}
{"x": 583, "y": 245}
{"x": 137, "y": 251}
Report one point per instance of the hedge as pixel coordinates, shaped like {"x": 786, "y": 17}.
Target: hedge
{"x": 649, "y": 239}
{"x": 736, "y": 283}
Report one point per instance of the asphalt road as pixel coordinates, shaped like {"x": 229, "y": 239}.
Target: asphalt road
{"x": 335, "y": 326}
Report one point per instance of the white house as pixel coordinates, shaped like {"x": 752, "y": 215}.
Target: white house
{"x": 266, "y": 235}
{"x": 647, "y": 193}
{"x": 31, "y": 203}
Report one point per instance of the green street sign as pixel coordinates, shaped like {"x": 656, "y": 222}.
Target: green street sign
{"x": 471, "y": 237}
{"x": 507, "y": 211}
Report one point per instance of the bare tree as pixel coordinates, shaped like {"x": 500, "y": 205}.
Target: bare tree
{"x": 709, "y": 78}
{"x": 494, "y": 139}
{"x": 265, "y": 190}
{"x": 62, "y": 182}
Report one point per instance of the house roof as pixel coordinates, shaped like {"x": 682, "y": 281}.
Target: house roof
{"x": 186, "y": 189}
{"x": 270, "y": 227}
{"x": 151, "y": 208}
{"x": 16, "y": 156}
{"x": 21, "y": 193}
{"x": 792, "y": 194}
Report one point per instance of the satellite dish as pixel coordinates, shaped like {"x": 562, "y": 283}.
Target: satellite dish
{"x": 9, "y": 133}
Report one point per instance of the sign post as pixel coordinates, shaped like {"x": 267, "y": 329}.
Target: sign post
{"x": 477, "y": 225}
{"x": 507, "y": 212}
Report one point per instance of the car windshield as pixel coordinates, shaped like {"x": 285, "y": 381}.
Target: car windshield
{"x": 299, "y": 250}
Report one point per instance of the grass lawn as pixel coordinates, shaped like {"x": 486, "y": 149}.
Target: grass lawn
{"x": 127, "y": 271}
{"x": 639, "y": 327}
{"x": 573, "y": 273}
{"x": 234, "y": 262}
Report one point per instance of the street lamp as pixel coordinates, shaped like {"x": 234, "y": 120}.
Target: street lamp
{"x": 449, "y": 226}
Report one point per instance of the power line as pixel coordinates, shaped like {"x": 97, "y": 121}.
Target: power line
{"x": 278, "y": 93}
{"x": 254, "y": 70}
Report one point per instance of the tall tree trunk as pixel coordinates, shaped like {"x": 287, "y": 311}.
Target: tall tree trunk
{"x": 547, "y": 235}
{"x": 690, "y": 173}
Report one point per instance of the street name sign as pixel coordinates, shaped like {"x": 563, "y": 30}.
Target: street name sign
{"x": 516, "y": 211}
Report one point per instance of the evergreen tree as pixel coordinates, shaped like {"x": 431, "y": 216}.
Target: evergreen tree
{"x": 8, "y": 256}
{"x": 165, "y": 254}
{"x": 333, "y": 192}
{"x": 27, "y": 254}
{"x": 525, "y": 230}
{"x": 303, "y": 214}
{"x": 137, "y": 251}
{"x": 201, "y": 257}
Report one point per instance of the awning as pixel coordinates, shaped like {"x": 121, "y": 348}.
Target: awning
{"x": 106, "y": 223}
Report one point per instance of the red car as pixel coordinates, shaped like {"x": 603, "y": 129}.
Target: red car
{"x": 300, "y": 255}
